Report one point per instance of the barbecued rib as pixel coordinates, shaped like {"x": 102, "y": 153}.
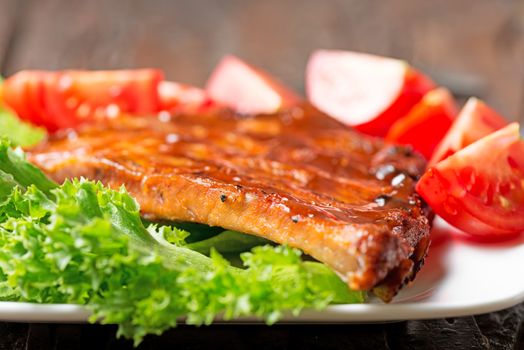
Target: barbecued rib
{"x": 298, "y": 178}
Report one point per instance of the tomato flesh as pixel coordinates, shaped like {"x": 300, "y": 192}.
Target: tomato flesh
{"x": 248, "y": 89}
{"x": 480, "y": 189}
{"x": 364, "y": 91}
{"x": 427, "y": 122}
{"x": 474, "y": 121}
{"x": 64, "y": 99}
{"x": 24, "y": 95}
{"x": 134, "y": 91}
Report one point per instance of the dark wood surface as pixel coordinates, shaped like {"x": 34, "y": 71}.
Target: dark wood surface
{"x": 473, "y": 46}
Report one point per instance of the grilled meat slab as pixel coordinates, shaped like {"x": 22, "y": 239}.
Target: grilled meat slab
{"x": 298, "y": 178}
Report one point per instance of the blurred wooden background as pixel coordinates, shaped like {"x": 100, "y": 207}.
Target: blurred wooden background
{"x": 473, "y": 46}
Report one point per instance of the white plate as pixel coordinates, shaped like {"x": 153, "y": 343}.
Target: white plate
{"x": 461, "y": 277}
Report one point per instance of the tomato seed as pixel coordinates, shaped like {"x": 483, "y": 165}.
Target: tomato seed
{"x": 504, "y": 202}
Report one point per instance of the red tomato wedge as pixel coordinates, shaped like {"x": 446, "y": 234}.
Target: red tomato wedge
{"x": 475, "y": 121}
{"x": 480, "y": 188}
{"x": 23, "y": 93}
{"x": 365, "y": 91}
{"x": 64, "y": 99}
{"x": 175, "y": 96}
{"x": 427, "y": 122}
{"x": 248, "y": 89}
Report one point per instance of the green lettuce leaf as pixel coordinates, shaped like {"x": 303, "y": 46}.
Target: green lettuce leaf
{"x": 228, "y": 242}
{"x": 17, "y": 131}
{"x": 14, "y": 167}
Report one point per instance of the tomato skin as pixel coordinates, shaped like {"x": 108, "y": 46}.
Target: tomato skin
{"x": 480, "y": 189}
{"x": 474, "y": 121}
{"x": 426, "y": 123}
{"x": 364, "y": 91}
{"x": 248, "y": 89}
{"x": 414, "y": 89}
{"x": 64, "y": 99}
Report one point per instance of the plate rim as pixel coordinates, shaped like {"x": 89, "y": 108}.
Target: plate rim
{"x": 343, "y": 313}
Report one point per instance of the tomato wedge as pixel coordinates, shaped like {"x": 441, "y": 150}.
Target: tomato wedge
{"x": 365, "y": 91}
{"x": 24, "y": 95}
{"x": 64, "y": 99}
{"x": 480, "y": 189}
{"x": 427, "y": 122}
{"x": 248, "y": 89}
{"x": 475, "y": 121}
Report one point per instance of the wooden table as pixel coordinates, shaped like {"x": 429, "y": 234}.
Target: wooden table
{"x": 476, "y": 47}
